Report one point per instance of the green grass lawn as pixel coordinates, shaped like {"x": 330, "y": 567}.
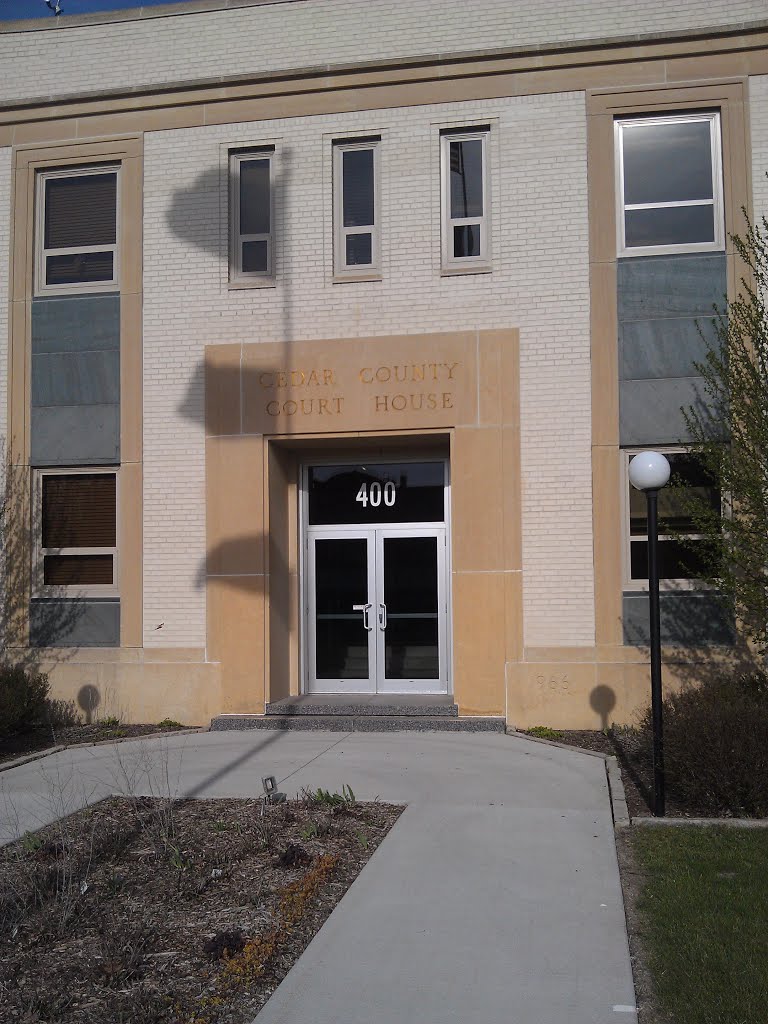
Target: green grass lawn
{"x": 704, "y": 914}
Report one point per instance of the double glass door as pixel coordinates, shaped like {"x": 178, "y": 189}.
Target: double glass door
{"x": 375, "y": 579}
{"x": 377, "y": 612}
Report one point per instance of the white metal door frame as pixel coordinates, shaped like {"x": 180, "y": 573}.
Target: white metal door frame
{"x": 307, "y": 636}
{"x": 341, "y": 685}
{"x": 405, "y": 685}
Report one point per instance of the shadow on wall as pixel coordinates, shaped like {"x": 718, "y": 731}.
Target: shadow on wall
{"x": 189, "y": 217}
{"x": 208, "y": 201}
{"x": 55, "y": 615}
{"x": 242, "y": 558}
{"x": 88, "y": 699}
{"x": 602, "y": 699}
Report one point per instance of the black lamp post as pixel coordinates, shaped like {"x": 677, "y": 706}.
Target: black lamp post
{"x": 648, "y": 472}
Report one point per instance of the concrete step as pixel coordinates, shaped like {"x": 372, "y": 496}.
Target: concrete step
{"x": 358, "y": 723}
{"x": 356, "y": 705}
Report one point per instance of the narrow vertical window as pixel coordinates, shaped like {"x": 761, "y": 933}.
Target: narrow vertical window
{"x": 76, "y": 230}
{"x": 465, "y": 215}
{"x": 669, "y": 185}
{"x": 252, "y": 215}
{"x": 356, "y": 208}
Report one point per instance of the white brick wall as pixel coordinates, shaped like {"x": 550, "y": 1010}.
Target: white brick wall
{"x": 539, "y": 283}
{"x": 5, "y": 234}
{"x": 758, "y": 121}
{"x": 70, "y": 58}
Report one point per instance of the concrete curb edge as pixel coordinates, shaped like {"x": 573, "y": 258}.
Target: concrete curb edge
{"x": 40, "y": 754}
{"x": 619, "y": 809}
{"x": 701, "y": 822}
{"x": 37, "y": 756}
{"x": 516, "y": 734}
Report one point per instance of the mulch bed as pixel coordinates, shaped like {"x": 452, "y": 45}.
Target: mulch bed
{"x": 41, "y": 738}
{"x": 180, "y": 912}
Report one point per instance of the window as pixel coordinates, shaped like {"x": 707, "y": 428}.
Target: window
{"x": 465, "y": 192}
{"x": 669, "y": 185}
{"x": 252, "y": 216}
{"x": 678, "y": 562}
{"x": 78, "y": 531}
{"x": 76, "y": 230}
{"x": 356, "y": 208}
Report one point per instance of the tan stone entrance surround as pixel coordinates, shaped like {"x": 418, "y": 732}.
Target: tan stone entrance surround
{"x": 270, "y": 406}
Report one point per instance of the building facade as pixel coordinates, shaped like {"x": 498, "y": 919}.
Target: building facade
{"x": 329, "y": 328}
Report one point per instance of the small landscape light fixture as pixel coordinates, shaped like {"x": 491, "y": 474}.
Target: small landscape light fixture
{"x": 648, "y": 472}
{"x": 271, "y": 795}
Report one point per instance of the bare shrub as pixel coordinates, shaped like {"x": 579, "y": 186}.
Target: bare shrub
{"x": 122, "y": 950}
{"x": 61, "y": 714}
{"x": 715, "y": 744}
{"x": 23, "y": 695}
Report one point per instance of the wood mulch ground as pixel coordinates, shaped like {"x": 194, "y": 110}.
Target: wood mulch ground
{"x": 173, "y": 912}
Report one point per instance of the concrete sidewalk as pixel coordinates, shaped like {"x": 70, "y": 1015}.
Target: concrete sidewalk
{"x": 495, "y": 899}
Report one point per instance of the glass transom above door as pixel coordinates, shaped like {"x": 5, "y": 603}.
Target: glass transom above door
{"x": 387, "y": 492}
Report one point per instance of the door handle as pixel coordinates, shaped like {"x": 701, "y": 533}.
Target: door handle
{"x": 382, "y": 616}
{"x": 365, "y": 609}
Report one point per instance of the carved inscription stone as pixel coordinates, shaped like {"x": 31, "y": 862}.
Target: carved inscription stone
{"x": 366, "y": 385}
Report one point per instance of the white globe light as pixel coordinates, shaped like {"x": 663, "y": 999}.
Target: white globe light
{"x": 648, "y": 471}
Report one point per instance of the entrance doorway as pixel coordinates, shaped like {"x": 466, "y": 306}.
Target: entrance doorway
{"x": 376, "y": 578}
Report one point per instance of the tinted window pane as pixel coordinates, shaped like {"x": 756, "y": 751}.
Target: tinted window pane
{"x": 466, "y": 178}
{"x": 411, "y": 648}
{"x": 689, "y": 482}
{"x": 667, "y": 163}
{"x": 79, "y": 511}
{"x": 255, "y": 257}
{"x": 406, "y": 492}
{"x": 254, "y": 197}
{"x": 359, "y": 250}
{"x": 79, "y": 268}
{"x": 466, "y": 240}
{"x": 341, "y": 581}
{"x": 676, "y": 561}
{"x": 689, "y": 479}
{"x": 675, "y": 225}
{"x": 77, "y": 570}
{"x": 81, "y": 210}
{"x": 357, "y": 193}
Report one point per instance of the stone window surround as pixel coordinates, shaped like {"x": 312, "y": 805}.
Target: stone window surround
{"x": 603, "y": 107}
{"x": 41, "y": 253}
{"x": 718, "y": 242}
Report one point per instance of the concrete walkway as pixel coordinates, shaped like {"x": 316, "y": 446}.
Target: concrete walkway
{"x": 495, "y": 899}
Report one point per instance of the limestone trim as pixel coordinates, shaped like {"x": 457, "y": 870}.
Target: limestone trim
{"x": 252, "y": 491}
{"x": 594, "y": 687}
{"x": 729, "y": 97}
{"x": 127, "y": 151}
{"x": 620, "y": 64}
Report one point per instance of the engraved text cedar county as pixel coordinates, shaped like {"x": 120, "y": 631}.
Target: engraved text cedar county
{"x": 425, "y": 387}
